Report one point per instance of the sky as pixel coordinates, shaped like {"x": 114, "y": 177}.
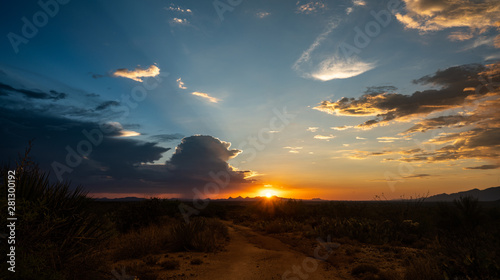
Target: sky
{"x": 341, "y": 100}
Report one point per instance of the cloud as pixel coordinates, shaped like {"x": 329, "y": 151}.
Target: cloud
{"x": 389, "y": 106}
{"x": 202, "y": 159}
{"x": 263, "y": 14}
{"x": 128, "y": 133}
{"x": 293, "y": 150}
{"x": 343, "y": 127}
{"x": 106, "y": 104}
{"x": 119, "y": 164}
{"x": 180, "y": 84}
{"x": 6, "y": 90}
{"x": 312, "y": 128}
{"x": 166, "y": 137}
{"x": 416, "y": 176}
{"x": 354, "y": 4}
{"x": 55, "y": 137}
{"x": 460, "y": 36}
{"x": 178, "y": 9}
{"x": 467, "y": 102}
{"x": 324, "y": 137}
{"x": 338, "y": 67}
{"x": 329, "y": 66}
{"x": 475, "y": 17}
{"x": 206, "y": 96}
{"x": 387, "y": 139}
{"x": 138, "y": 73}
{"x": 179, "y": 21}
{"x": 310, "y": 8}
{"x": 483, "y": 167}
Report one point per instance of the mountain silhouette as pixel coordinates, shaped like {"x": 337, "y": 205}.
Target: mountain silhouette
{"x": 489, "y": 194}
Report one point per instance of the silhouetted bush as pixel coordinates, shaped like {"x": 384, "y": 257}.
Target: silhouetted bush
{"x": 200, "y": 234}
{"x": 57, "y": 235}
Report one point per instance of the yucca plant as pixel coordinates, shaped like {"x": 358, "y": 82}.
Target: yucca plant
{"x": 56, "y": 234}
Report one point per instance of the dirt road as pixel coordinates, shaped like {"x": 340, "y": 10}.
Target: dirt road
{"x": 250, "y": 255}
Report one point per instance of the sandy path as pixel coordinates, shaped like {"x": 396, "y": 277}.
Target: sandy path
{"x": 250, "y": 255}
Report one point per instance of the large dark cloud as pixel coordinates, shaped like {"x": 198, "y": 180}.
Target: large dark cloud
{"x": 198, "y": 158}
{"x": 83, "y": 144}
{"x": 471, "y": 90}
{"x": 455, "y": 84}
{"x": 117, "y": 164}
{"x": 6, "y": 90}
{"x": 166, "y": 137}
{"x": 54, "y": 137}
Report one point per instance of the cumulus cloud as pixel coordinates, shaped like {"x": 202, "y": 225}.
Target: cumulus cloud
{"x": 467, "y": 102}
{"x": 180, "y": 83}
{"x": 310, "y": 8}
{"x": 138, "y": 73}
{"x": 201, "y": 159}
{"x": 474, "y": 17}
{"x": 178, "y": 9}
{"x": 206, "y": 96}
{"x": 179, "y": 21}
{"x": 312, "y": 128}
{"x": 389, "y": 106}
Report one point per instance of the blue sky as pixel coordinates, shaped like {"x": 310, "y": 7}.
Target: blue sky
{"x": 259, "y": 58}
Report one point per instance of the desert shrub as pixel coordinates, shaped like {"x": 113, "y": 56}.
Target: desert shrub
{"x": 142, "y": 242}
{"x": 151, "y": 260}
{"x": 468, "y": 241}
{"x": 57, "y": 234}
{"x": 138, "y": 271}
{"x": 364, "y": 230}
{"x": 135, "y": 215}
{"x": 423, "y": 268}
{"x": 170, "y": 264}
{"x": 200, "y": 234}
{"x": 196, "y": 261}
{"x": 363, "y": 269}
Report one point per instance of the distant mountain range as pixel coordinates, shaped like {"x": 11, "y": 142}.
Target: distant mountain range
{"x": 239, "y": 198}
{"x": 489, "y": 194}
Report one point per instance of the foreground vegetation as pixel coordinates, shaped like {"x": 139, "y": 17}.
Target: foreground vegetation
{"x": 63, "y": 234}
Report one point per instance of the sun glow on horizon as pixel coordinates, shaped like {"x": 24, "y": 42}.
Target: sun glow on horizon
{"x": 268, "y": 191}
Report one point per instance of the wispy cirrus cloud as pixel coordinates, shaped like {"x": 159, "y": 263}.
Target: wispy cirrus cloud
{"x": 206, "y": 96}
{"x": 327, "y": 66}
{"x": 137, "y": 73}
